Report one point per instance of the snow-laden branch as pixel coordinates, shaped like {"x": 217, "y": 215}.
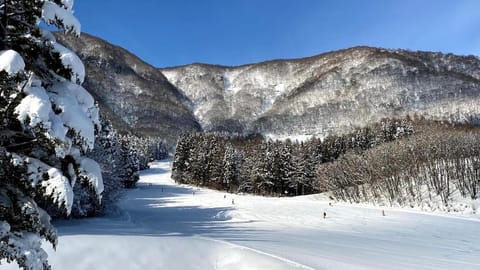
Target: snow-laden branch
{"x": 53, "y": 14}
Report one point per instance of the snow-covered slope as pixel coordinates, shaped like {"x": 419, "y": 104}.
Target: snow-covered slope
{"x": 319, "y": 95}
{"x": 161, "y": 225}
{"x": 332, "y": 92}
{"x": 133, "y": 95}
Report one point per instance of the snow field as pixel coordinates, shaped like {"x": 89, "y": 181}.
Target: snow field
{"x": 162, "y": 225}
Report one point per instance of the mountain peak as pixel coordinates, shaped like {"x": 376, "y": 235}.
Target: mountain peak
{"x": 329, "y": 93}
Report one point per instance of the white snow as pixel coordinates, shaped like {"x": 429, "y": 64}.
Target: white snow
{"x": 36, "y": 106}
{"x": 25, "y": 241}
{"x": 57, "y": 185}
{"x": 90, "y": 169}
{"x": 78, "y": 110}
{"x": 70, "y": 60}
{"x": 293, "y": 137}
{"x": 52, "y": 12}
{"x": 161, "y": 225}
{"x": 4, "y": 228}
{"x": 11, "y": 62}
{"x": 59, "y": 188}
{"x": 68, "y": 4}
{"x": 229, "y": 76}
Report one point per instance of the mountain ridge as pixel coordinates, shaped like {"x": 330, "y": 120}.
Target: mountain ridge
{"x": 333, "y": 77}
{"x": 132, "y": 94}
{"x": 329, "y": 93}
{"x": 306, "y": 58}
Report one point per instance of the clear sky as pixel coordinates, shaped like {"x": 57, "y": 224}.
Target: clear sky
{"x": 232, "y": 32}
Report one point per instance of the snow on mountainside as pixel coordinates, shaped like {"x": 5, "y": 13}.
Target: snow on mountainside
{"x": 332, "y": 92}
{"x": 319, "y": 95}
{"x": 132, "y": 94}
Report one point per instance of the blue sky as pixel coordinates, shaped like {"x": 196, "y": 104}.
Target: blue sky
{"x": 232, "y": 32}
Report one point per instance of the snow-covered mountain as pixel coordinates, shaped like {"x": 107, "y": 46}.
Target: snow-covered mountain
{"x": 319, "y": 95}
{"x": 134, "y": 95}
{"x": 331, "y": 92}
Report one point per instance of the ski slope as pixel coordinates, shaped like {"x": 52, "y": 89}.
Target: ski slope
{"x": 161, "y": 225}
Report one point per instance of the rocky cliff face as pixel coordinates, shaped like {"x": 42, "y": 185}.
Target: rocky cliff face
{"x": 135, "y": 96}
{"x": 332, "y": 92}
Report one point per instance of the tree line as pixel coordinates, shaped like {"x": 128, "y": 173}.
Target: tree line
{"x": 121, "y": 157}
{"x": 439, "y": 160}
{"x": 398, "y": 162}
{"x": 256, "y": 165}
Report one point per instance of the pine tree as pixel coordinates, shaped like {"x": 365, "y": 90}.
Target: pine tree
{"x": 287, "y": 167}
{"x": 271, "y": 168}
{"x": 47, "y": 124}
{"x": 108, "y": 153}
{"x": 230, "y": 167}
{"x": 215, "y": 162}
{"x": 129, "y": 162}
{"x": 181, "y": 157}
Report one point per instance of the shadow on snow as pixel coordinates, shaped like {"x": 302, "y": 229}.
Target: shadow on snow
{"x": 152, "y": 171}
{"x": 146, "y": 211}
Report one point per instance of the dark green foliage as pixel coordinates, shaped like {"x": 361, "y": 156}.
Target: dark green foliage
{"x": 23, "y": 223}
{"x": 121, "y": 157}
{"x": 254, "y": 165}
{"x": 20, "y": 211}
{"x": 9, "y": 99}
{"x": 385, "y": 162}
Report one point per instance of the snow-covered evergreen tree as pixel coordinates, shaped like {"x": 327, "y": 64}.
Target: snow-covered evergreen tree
{"x": 181, "y": 158}
{"x": 215, "y": 161}
{"x": 270, "y": 168}
{"x": 129, "y": 165}
{"x": 107, "y": 152}
{"x": 47, "y": 123}
{"x": 230, "y": 167}
{"x": 287, "y": 167}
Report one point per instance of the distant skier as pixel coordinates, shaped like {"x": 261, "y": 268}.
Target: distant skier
{"x": 383, "y": 212}
{"x": 324, "y": 215}
{"x": 225, "y": 196}
{"x": 233, "y": 202}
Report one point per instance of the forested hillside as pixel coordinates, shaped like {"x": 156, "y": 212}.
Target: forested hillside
{"x": 330, "y": 93}
{"x": 398, "y": 162}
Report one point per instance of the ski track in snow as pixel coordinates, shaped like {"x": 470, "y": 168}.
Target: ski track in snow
{"x": 162, "y": 225}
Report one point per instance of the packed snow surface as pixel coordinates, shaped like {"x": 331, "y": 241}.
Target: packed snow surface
{"x": 162, "y": 225}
